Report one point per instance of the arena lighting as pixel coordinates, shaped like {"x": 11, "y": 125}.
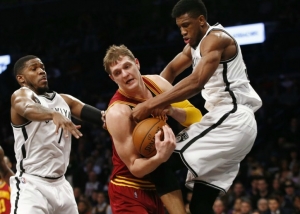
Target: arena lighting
{"x": 4, "y": 61}
{"x": 248, "y": 34}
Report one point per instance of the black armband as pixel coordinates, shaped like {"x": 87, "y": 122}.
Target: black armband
{"x": 91, "y": 114}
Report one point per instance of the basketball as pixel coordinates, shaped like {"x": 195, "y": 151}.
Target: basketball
{"x": 143, "y": 136}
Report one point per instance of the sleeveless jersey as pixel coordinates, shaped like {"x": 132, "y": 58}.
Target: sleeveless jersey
{"x": 4, "y": 197}
{"x": 121, "y": 175}
{"x": 39, "y": 150}
{"x": 229, "y": 83}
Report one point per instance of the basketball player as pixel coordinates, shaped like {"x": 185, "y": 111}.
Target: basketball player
{"x": 213, "y": 148}
{"x": 42, "y": 127}
{"x": 130, "y": 189}
{"x": 5, "y": 173}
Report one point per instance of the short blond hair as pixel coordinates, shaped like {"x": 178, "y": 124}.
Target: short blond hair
{"x": 113, "y": 54}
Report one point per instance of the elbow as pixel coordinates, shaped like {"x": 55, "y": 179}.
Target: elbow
{"x": 137, "y": 173}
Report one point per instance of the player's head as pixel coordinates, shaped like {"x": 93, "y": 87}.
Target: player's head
{"x": 114, "y": 54}
{"x": 30, "y": 72}
{"x": 123, "y": 68}
{"x": 191, "y": 16}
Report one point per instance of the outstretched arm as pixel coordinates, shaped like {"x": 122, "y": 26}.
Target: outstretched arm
{"x": 192, "y": 84}
{"x": 5, "y": 171}
{"x": 25, "y": 108}
{"x": 84, "y": 111}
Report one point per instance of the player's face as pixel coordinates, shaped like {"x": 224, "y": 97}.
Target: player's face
{"x": 125, "y": 72}
{"x": 34, "y": 76}
{"x": 190, "y": 29}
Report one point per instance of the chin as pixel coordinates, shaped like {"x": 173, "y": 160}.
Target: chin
{"x": 43, "y": 90}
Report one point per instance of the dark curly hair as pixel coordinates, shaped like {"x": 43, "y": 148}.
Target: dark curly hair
{"x": 193, "y": 8}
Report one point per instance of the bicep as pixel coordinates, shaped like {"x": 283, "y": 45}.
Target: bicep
{"x": 211, "y": 52}
{"x": 75, "y": 105}
{"x": 20, "y": 99}
{"x": 120, "y": 127}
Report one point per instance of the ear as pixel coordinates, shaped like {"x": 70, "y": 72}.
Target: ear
{"x": 201, "y": 20}
{"x": 20, "y": 79}
{"x": 137, "y": 63}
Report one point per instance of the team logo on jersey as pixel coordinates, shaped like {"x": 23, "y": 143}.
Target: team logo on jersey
{"x": 23, "y": 180}
{"x": 182, "y": 136}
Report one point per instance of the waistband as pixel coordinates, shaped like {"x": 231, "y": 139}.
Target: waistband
{"x": 133, "y": 183}
{"x": 45, "y": 180}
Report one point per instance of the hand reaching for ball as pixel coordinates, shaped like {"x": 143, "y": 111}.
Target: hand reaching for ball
{"x": 165, "y": 147}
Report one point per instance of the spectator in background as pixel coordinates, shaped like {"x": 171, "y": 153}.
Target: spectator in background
{"x": 238, "y": 191}
{"x": 102, "y": 207}
{"x": 236, "y": 206}
{"x": 219, "y": 207}
{"x": 84, "y": 206}
{"x": 262, "y": 206}
{"x": 246, "y": 207}
{"x": 274, "y": 206}
{"x": 289, "y": 194}
{"x": 263, "y": 191}
{"x": 92, "y": 184}
{"x": 296, "y": 209}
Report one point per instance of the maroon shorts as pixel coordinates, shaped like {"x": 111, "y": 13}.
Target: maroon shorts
{"x": 125, "y": 200}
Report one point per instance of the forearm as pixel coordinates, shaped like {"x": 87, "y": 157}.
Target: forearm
{"x": 183, "y": 90}
{"x": 186, "y": 116}
{"x": 91, "y": 114}
{"x": 144, "y": 166}
{"x": 37, "y": 112}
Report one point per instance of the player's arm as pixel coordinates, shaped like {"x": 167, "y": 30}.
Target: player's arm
{"x": 183, "y": 112}
{"x": 120, "y": 127}
{"x": 24, "y": 108}
{"x": 211, "y": 50}
{"x": 82, "y": 111}
{"x": 5, "y": 171}
{"x": 181, "y": 62}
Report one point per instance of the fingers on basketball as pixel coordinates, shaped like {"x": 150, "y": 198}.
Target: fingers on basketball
{"x": 143, "y": 136}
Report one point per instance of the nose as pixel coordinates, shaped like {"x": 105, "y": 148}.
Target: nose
{"x": 124, "y": 73}
{"x": 183, "y": 31}
{"x": 41, "y": 71}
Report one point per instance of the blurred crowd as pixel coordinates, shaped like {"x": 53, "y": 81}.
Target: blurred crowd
{"x": 71, "y": 39}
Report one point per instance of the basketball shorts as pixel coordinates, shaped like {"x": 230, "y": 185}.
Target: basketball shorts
{"x": 34, "y": 195}
{"x": 128, "y": 200}
{"x": 213, "y": 148}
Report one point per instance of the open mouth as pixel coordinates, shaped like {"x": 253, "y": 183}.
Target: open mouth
{"x": 129, "y": 81}
{"x": 186, "y": 40}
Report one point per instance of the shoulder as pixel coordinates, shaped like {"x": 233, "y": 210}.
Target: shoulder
{"x": 118, "y": 110}
{"x": 161, "y": 82}
{"x": 217, "y": 38}
{"x": 22, "y": 93}
{"x": 187, "y": 51}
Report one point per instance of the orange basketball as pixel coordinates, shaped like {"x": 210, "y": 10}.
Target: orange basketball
{"x": 143, "y": 136}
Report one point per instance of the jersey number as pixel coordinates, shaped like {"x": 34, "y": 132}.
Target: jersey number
{"x": 2, "y": 206}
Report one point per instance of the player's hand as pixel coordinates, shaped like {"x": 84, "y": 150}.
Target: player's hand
{"x": 103, "y": 118}
{"x": 165, "y": 147}
{"x": 66, "y": 124}
{"x": 162, "y": 113}
{"x": 141, "y": 111}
